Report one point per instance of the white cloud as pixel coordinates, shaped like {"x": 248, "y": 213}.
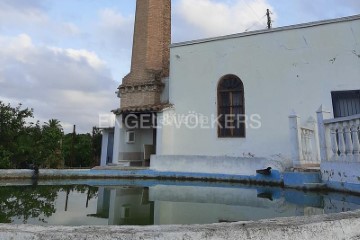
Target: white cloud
{"x": 71, "y": 85}
{"x": 207, "y": 18}
{"x": 17, "y": 48}
{"x": 81, "y": 55}
{"x": 70, "y": 28}
{"x": 112, "y": 36}
{"x": 109, "y": 18}
{"x": 22, "y": 12}
{"x": 114, "y": 29}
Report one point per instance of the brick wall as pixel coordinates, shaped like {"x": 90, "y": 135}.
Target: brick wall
{"x": 151, "y": 53}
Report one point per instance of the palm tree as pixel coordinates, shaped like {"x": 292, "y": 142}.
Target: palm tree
{"x": 52, "y": 136}
{"x": 53, "y": 123}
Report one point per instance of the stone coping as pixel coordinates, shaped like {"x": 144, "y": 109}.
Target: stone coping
{"x": 333, "y": 226}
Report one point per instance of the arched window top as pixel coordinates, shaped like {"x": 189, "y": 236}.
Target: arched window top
{"x": 230, "y": 83}
{"x": 231, "y": 107}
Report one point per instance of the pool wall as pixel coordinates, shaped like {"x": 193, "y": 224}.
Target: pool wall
{"x": 274, "y": 178}
{"x": 245, "y": 166}
{"x": 333, "y": 226}
{"x": 297, "y": 180}
{"x": 344, "y": 176}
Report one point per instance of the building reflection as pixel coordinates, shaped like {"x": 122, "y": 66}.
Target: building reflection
{"x": 168, "y": 204}
{"x": 125, "y": 206}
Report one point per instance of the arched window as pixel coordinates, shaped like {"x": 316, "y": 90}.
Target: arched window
{"x": 231, "y": 107}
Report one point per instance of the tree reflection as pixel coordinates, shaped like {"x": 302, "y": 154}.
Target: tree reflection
{"x": 34, "y": 202}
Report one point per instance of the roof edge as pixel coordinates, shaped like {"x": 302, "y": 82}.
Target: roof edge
{"x": 279, "y": 29}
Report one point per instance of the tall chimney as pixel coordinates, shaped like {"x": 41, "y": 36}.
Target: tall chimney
{"x": 150, "y": 54}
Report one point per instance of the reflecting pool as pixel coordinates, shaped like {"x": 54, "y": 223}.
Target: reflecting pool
{"x": 156, "y": 203}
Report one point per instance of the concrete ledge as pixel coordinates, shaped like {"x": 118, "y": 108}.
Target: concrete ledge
{"x": 335, "y": 226}
{"x": 215, "y": 164}
{"x": 303, "y": 180}
{"x": 341, "y": 176}
{"x": 15, "y": 173}
{"x": 129, "y": 173}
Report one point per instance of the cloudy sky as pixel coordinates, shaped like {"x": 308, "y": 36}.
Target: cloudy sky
{"x": 65, "y": 58}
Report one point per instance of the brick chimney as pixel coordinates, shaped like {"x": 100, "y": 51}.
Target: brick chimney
{"x": 150, "y": 54}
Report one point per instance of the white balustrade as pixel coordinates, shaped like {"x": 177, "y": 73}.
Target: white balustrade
{"x": 355, "y": 137}
{"x": 305, "y": 148}
{"x": 341, "y": 136}
{"x": 334, "y": 144}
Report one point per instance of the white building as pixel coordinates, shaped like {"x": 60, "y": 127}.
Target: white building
{"x": 251, "y": 82}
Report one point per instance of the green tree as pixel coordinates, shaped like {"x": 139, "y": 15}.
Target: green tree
{"x": 23, "y": 143}
{"x": 53, "y": 124}
{"x": 52, "y": 135}
{"x": 30, "y": 149}
{"x": 12, "y": 128}
{"x": 87, "y": 149}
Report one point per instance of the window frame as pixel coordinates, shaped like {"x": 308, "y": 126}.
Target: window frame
{"x": 344, "y": 95}
{"x": 231, "y": 106}
{"x": 130, "y": 137}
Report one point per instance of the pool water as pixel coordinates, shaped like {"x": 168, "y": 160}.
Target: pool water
{"x": 157, "y": 203}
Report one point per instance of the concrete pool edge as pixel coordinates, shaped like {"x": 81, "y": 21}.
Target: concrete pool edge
{"x": 332, "y": 226}
{"x": 275, "y": 179}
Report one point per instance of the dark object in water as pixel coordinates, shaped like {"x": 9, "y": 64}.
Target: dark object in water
{"x": 36, "y": 172}
{"x": 266, "y": 195}
{"x": 266, "y": 171}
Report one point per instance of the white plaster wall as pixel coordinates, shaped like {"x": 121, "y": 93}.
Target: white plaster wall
{"x": 142, "y": 136}
{"x": 104, "y": 144}
{"x": 164, "y": 133}
{"x": 215, "y": 164}
{"x": 281, "y": 71}
{"x": 341, "y": 172}
{"x": 117, "y": 138}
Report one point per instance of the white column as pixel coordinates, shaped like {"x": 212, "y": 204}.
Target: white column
{"x": 295, "y": 140}
{"x": 118, "y": 126}
{"x": 342, "y": 148}
{"x": 324, "y": 134}
{"x": 334, "y": 144}
{"x": 348, "y": 142}
{"x": 159, "y": 134}
{"x": 355, "y": 125}
{"x": 314, "y": 140}
{"x": 104, "y": 147}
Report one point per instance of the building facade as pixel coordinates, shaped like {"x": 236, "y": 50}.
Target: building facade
{"x": 228, "y": 99}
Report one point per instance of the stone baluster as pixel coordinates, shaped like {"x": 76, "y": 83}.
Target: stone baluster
{"x": 334, "y": 144}
{"x": 314, "y": 140}
{"x": 342, "y": 148}
{"x": 324, "y": 134}
{"x": 355, "y": 131}
{"x": 310, "y": 147}
{"x": 348, "y": 142}
{"x": 296, "y": 141}
{"x": 303, "y": 144}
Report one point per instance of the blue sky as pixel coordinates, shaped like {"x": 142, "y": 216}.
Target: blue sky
{"x": 65, "y": 58}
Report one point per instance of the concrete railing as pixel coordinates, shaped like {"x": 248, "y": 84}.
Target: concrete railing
{"x": 304, "y": 141}
{"x": 339, "y": 137}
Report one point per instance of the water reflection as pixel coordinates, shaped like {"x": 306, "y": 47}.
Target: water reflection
{"x": 36, "y": 204}
{"x": 157, "y": 204}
